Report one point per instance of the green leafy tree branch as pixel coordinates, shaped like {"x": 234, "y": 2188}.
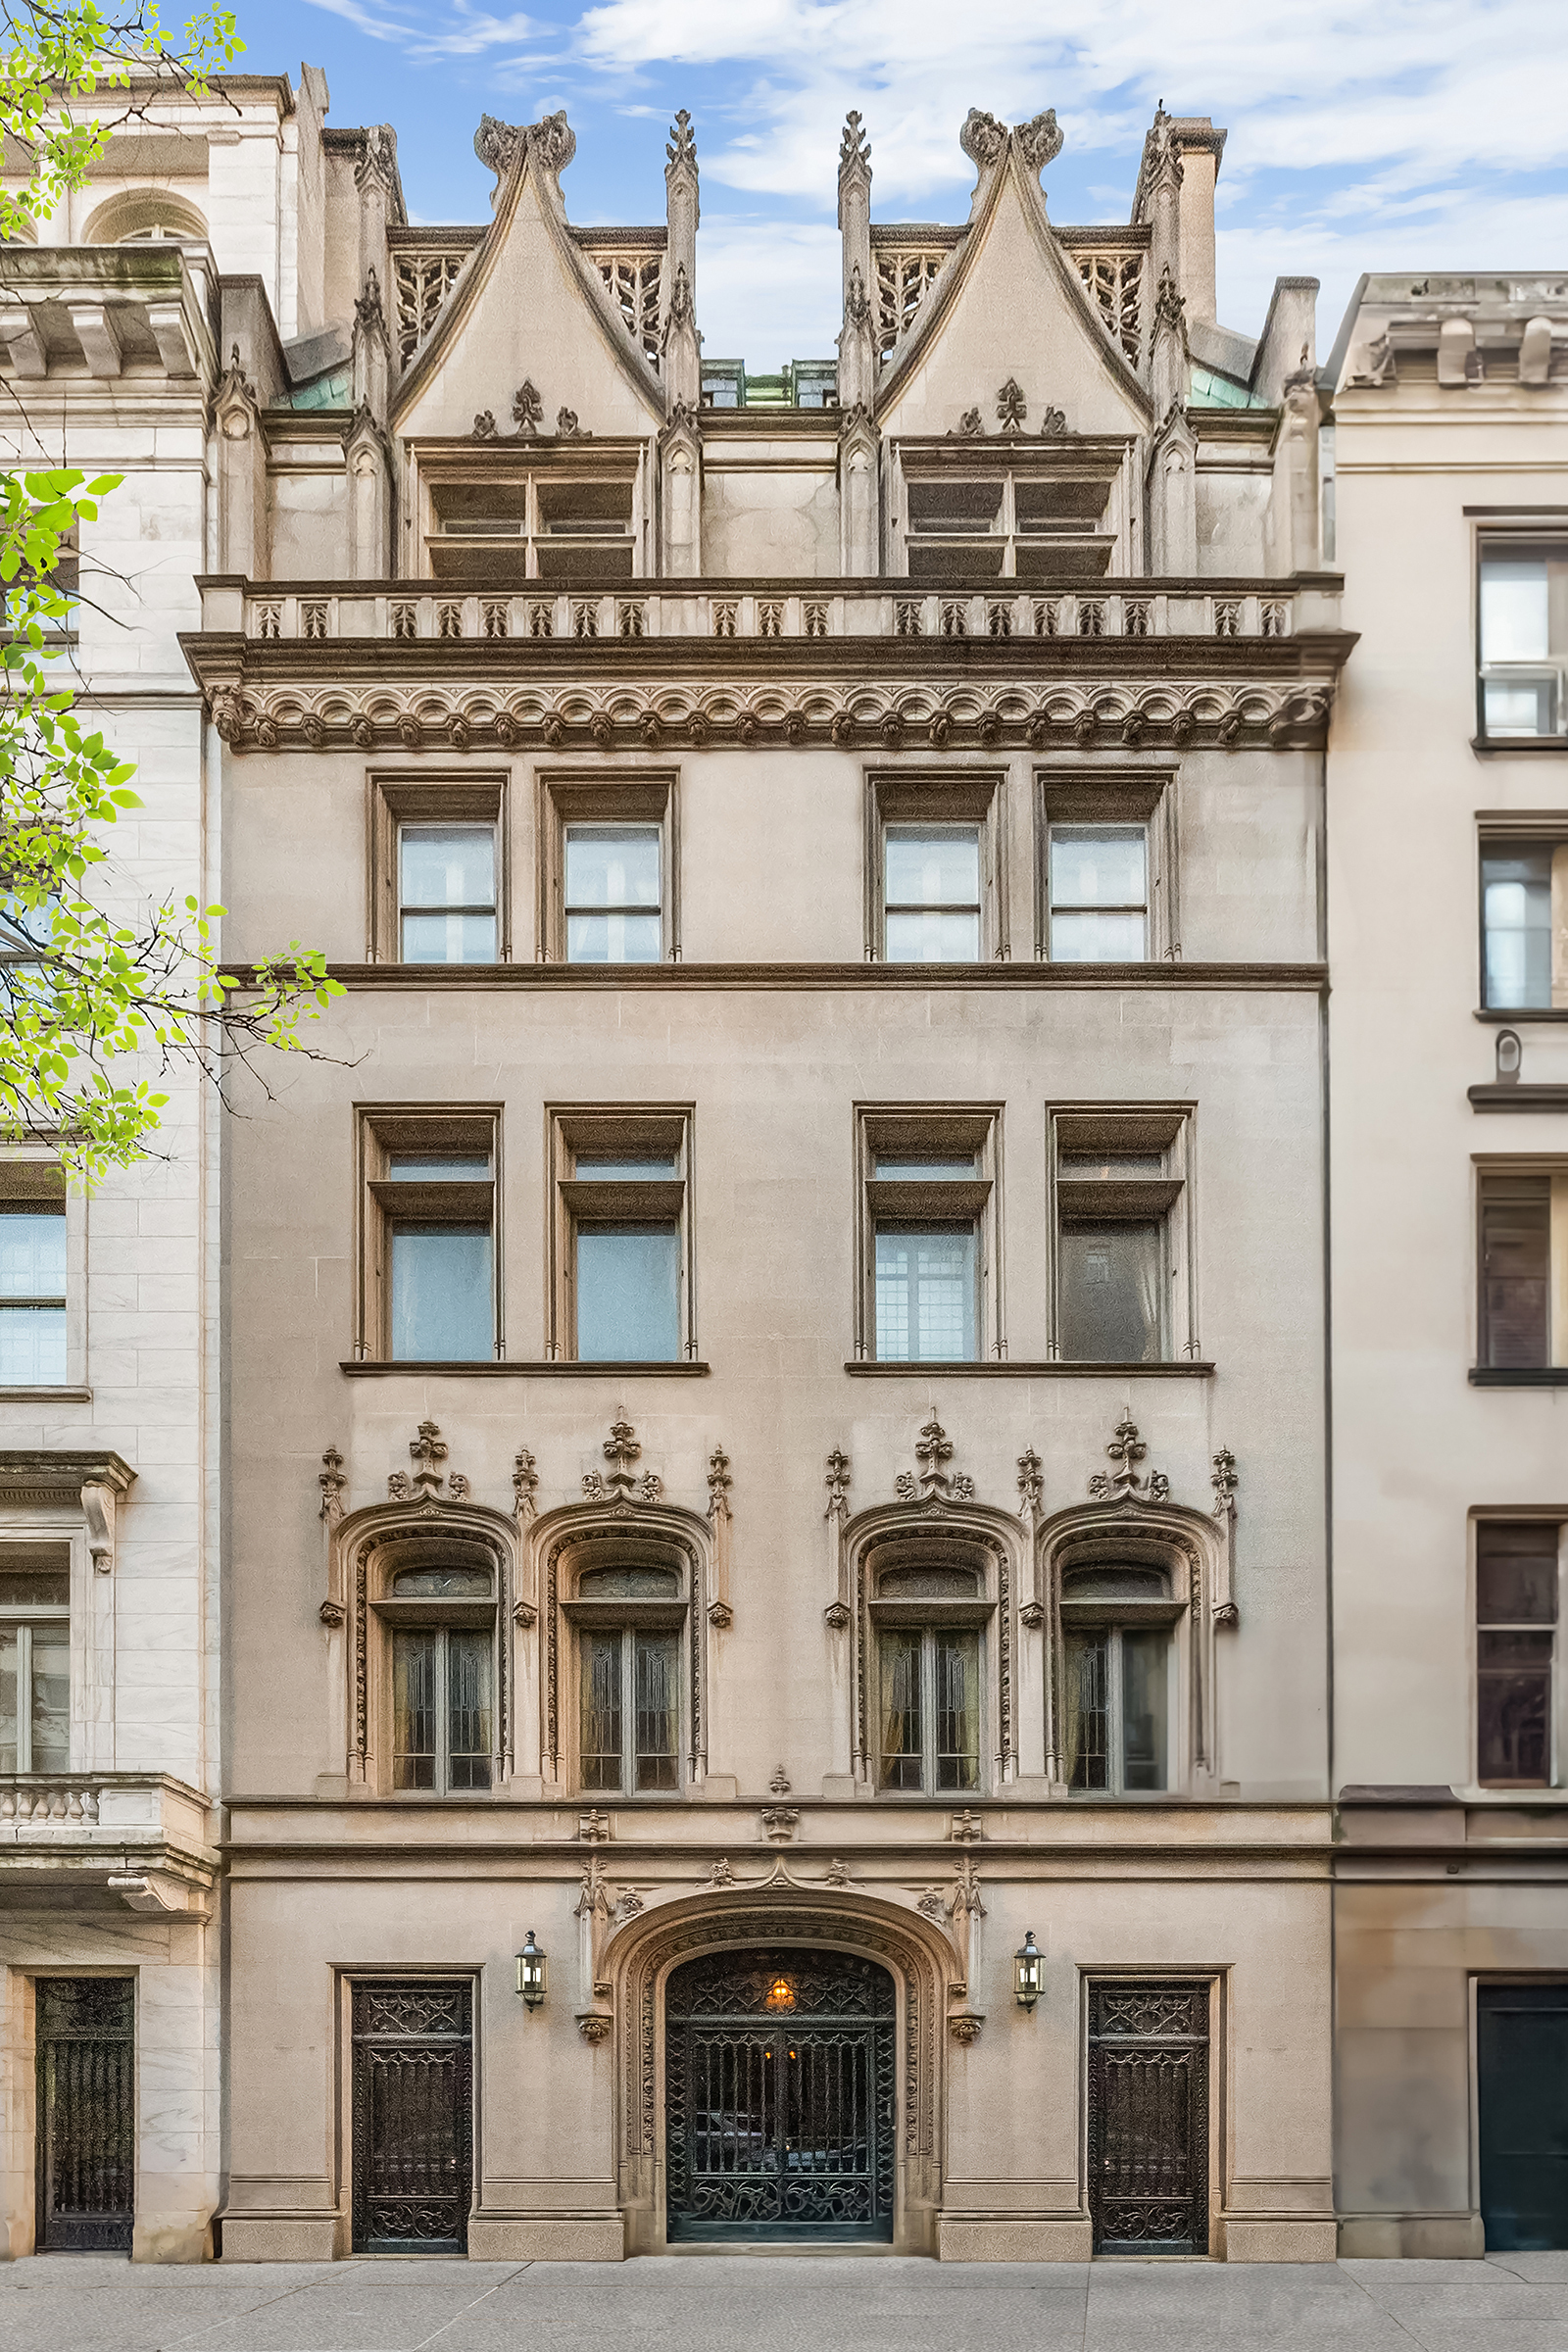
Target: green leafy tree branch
{"x": 84, "y": 991}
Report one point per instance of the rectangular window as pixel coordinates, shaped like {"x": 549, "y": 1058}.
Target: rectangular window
{"x": 1524, "y": 638}
{"x": 607, "y": 869}
{"x": 1099, "y": 910}
{"x": 928, "y": 1240}
{"x": 566, "y": 517}
{"x": 1516, "y": 1626}
{"x": 930, "y": 1708}
{"x": 447, "y": 894}
{"x": 430, "y": 1283}
{"x": 32, "y": 1293}
{"x": 1524, "y": 1269}
{"x": 1026, "y": 519}
{"x": 614, "y": 898}
{"x": 1105, "y": 864}
{"x": 35, "y": 1658}
{"x": 441, "y": 1708}
{"x": 1122, "y": 1247}
{"x": 1524, "y": 924}
{"x": 623, "y": 1237}
{"x": 629, "y": 1737}
{"x": 1115, "y": 1708}
{"x": 438, "y": 859}
{"x": 936, "y": 891}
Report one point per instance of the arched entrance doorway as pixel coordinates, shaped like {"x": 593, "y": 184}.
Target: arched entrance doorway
{"x": 780, "y": 2097}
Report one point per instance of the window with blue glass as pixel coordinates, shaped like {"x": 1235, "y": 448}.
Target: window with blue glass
{"x": 32, "y": 1286}
{"x": 1524, "y": 924}
{"x": 623, "y": 1238}
{"x": 431, "y": 1287}
{"x": 927, "y": 1246}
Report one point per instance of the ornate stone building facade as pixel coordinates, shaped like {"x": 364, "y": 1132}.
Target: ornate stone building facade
{"x": 775, "y": 1599}
{"x": 1450, "y": 1349}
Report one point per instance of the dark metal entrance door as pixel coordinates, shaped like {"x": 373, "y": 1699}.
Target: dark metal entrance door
{"x": 779, "y": 2098}
{"x": 1149, "y": 2118}
{"x": 413, "y": 2116}
{"x": 87, "y": 2139}
{"x": 1522, "y": 2078}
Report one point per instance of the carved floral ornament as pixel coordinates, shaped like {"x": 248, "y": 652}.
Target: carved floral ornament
{"x": 551, "y": 140}
{"x": 984, "y": 139}
{"x": 614, "y": 717}
{"x": 932, "y": 1484}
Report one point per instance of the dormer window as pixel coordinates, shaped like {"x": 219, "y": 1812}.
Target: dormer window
{"x": 1042, "y": 511}
{"x": 565, "y": 520}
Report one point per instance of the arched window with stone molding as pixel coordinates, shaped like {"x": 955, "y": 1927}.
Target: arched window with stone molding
{"x": 146, "y": 215}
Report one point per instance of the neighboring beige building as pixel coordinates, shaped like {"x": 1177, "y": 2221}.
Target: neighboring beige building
{"x": 1447, "y": 842}
{"x": 775, "y": 1384}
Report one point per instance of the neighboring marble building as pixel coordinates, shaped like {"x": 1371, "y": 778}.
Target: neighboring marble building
{"x": 775, "y": 1390}
{"x": 109, "y": 1307}
{"x": 1449, "y": 932}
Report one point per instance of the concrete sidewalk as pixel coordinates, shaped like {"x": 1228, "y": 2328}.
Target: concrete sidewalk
{"x": 758, "y": 2303}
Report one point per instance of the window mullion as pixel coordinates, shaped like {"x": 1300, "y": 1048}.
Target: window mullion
{"x": 443, "y": 1741}
{"x": 628, "y": 1712}
{"x": 928, "y": 1710}
{"x": 1115, "y": 1728}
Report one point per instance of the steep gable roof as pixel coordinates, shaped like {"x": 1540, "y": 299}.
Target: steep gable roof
{"x": 1009, "y": 306}
{"x": 531, "y": 305}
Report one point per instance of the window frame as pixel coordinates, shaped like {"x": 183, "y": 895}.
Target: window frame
{"x": 31, "y": 1176}
{"x": 383, "y": 1129}
{"x": 1557, "y": 1680}
{"x": 401, "y": 1547}
{"x": 1500, "y": 1167}
{"x": 930, "y": 1131}
{"x": 1075, "y": 795}
{"x": 625, "y": 795}
{"x": 22, "y": 1617}
{"x": 537, "y": 461}
{"x": 1113, "y": 1629}
{"x": 1499, "y": 830}
{"x": 459, "y": 797}
{"x": 1085, "y": 556}
{"x": 626, "y": 1129}
{"x": 1133, "y": 1129}
{"x": 627, "y": 1616}
{"x": 933, "y": 797}
{"x": 1493, "y": 533}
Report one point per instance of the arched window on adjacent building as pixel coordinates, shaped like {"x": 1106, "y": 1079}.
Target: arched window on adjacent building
{"x": 143, "y": 216}
{"x": 1118, "y": 1675}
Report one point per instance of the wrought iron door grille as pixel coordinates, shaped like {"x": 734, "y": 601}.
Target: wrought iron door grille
{"x": 413, "y": 2116}
{"x": 1149, "y": 2118}
{"x": 779, "y": 2096}
{"x": 86, "y": 2157}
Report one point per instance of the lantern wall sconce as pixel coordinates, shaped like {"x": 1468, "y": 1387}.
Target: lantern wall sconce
{"x": 1026, "y": 1971}
{"x": 533, "y": 1972}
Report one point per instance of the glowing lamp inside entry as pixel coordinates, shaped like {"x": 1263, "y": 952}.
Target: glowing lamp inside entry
{"x": 780, "y": 1993}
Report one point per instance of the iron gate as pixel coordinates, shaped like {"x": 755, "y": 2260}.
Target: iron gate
{"x": 413, "y": 2116}
{"x": 1149, "y": 2118}
{"x": 779, "y": 2096}
{"x": 86, "y": 2148}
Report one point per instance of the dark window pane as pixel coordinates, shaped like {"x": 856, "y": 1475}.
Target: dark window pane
{"x": 467, "y": 1708}
{"x": 1516, "y": 1573}
{"x": 441, "y": 1301}
{"x": 656, "y": 1662}
{"x": 598, "y": 1657}
{"x": 443, "y": 1583}
{"x": 1514, "y": 1709}
{"x": 414, "y": 1709}
{"x": 925, "y": 1296}
{"x": 1515, "y": 1271}
{"x": 958, "y": 1710}
{"x": 628, "y": 1583}
{"x": 1110, "y": 1301}
{"x": 899, "y": 1656}
{"x": 1516, "y": 914}
{"x": 1085, "y": 1710}
{"x": 1144, "y": 1695}
{"x": 628, "y": 1294}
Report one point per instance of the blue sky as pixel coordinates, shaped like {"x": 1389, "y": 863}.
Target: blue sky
{"x": 1404, "y": 135}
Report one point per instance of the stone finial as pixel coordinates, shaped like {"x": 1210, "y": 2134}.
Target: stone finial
{"x": 681, "y": 148}
{"x": 1125, "y": 1484}
{"x": 854, "y": 148}
{"x": 983, "y": 139}
{"x": 932, "y": 1481}
{"x": 1039, "y": 141}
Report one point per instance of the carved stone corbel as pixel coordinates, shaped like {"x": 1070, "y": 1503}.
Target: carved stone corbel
{"x": 721, "y": 1614}
{"x": 98, "y": 1509}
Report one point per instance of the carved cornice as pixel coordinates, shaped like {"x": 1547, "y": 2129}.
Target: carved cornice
{"x": 264, "y": 702}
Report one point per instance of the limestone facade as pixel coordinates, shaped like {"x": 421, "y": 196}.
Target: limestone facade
{"x": 890, "y": 831}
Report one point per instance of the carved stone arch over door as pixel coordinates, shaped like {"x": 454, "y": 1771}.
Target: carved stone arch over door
{"x": 640, "y": 1959}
